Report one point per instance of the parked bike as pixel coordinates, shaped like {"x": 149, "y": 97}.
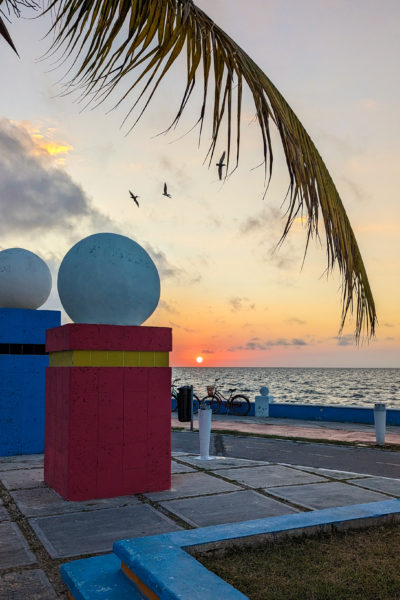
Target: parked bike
{"x": 239, "y": 404}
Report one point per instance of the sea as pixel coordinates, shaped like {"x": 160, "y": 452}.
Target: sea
{"x": 344, "y": 387}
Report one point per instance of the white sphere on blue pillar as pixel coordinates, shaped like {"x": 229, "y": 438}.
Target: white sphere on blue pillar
{"x": 25, "y": 279}
{"x": 108, "y": 278}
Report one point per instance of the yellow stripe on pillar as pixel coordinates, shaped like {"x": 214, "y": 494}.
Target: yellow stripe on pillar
{"x": 104, "y": 358}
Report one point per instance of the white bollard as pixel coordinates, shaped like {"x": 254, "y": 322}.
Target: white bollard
{"x": 261, "y": 408}
{"x": 205, "y": 414}
{"x": 380, "y": 423}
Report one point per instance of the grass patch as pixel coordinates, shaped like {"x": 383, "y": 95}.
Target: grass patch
{"x": 349, "y": 565}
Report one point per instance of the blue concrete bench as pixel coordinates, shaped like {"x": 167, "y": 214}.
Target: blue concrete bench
{"x": 98, "y": 578}
{"x": 164, "y": 570}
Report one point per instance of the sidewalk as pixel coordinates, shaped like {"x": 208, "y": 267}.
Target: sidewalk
{"x": 39, "y": 530}
{"x": 297, "y": 429}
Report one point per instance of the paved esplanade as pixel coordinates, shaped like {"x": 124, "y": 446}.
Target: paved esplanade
{"x": 370, "y": 461}
{"x": 251, "y": 478}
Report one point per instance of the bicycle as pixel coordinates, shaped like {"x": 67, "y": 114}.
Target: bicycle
{"x": 174, "y": 398}
{"x": 239, "y": 404}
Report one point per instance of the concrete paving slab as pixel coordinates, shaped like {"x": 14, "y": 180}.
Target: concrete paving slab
{"x": 222, "y": 462}
{"x": 270, "y": 475}
{"x": 332, "y": 474}
{"x": 22, "y": 461}
{"x": 380, "y": 484}
{"x": 26, "y": 585}
{"x": 44, "y": 501}
{"x": 326, "y": 495}
{"x": 14, "y": 549}
{"x": 22, "y": 478}
{"x": 226, "y": 508}
{"x": 4, "y": 516}
{"x": 178, "y": 468}
{"x": 179, "y": 453}
{"x": 96, "y": 531}
{"x": 192, "y": 484}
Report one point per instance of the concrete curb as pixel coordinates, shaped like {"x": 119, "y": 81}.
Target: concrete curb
{"x": 162, "y": 569}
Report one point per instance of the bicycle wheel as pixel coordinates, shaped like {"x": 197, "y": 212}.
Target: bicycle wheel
{"x": 174, "y": 402}
{"x": 212, "y": 401}
{"x": 239, "y": 405}
{"x": 196, "y": 403}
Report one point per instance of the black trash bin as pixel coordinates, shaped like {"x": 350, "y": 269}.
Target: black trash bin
{"x": 185, "y": 402}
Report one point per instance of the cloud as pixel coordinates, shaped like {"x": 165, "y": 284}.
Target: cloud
{"x": 256, "y": 344}
{"x": 345, "y": 340}
{"x": 296, "y": 321}
{"x": 387, "y": 325}
{"x": 238, "y": 303}
{"x": 267, "y": 219}
{"x": 177, "y": 176}
{"x": 35, "y": 194}
{"x": 299, "y": 342}
{"x": 165, "y": 268}
{"x": 163, "y": 305}
{"x": 207, "y": 351}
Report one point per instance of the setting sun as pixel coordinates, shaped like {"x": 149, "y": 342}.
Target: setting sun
{"x": 199, "y": 359}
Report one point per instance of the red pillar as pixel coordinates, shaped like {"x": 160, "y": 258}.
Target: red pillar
{"x": 108, "y": 410}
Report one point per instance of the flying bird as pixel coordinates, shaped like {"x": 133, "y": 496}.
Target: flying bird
{"x": 221, "y": 164}
{"x": 166, "y": 191}
{"x": 134, "y": 198}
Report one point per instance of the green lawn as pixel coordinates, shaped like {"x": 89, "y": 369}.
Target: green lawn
{"x": 351, "y": 565}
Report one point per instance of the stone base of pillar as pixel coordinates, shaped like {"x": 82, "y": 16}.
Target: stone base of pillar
{"x": 108, "y": 413}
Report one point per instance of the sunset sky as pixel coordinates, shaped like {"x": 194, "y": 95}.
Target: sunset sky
{"x": 65, "y": 174}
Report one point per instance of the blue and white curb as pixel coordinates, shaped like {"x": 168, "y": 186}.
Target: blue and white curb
{"x": 161, "y": 568}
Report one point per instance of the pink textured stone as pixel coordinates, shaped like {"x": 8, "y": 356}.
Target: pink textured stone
{"x": 82, "y": 336}
{"x": 107, "y": 430}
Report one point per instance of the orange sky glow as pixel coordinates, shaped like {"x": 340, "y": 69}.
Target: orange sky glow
{"x": 229, "y": 297}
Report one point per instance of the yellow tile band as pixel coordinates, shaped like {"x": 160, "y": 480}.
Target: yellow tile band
{"x": 148, "y": 593}
{"x": 103, "y": 358}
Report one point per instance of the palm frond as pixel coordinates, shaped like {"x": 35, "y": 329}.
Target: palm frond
{"x": 112, "y": 38}
{"x": 4, "y": 33}
{"x": 15, "y": 6}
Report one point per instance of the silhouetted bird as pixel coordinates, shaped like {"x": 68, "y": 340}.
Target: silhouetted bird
{"x": 221, "y": 164}
{"x": 166, "y": 192}
{"x": 134, "y": 198}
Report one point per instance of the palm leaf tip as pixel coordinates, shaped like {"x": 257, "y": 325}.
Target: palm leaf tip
{"x": 4, "y": 33}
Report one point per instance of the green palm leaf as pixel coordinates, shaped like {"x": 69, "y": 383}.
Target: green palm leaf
{"x": 15, "y": 6}
{"x": 4, "y": 33}
{"x": 112, "y": 38}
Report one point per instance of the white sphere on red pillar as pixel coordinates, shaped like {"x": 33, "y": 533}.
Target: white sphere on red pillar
{"x": 108, "y": 278}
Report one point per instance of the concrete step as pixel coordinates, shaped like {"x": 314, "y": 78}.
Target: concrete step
{"x": 98, "y": 578}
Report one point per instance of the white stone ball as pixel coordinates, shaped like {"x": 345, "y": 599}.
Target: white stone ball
{"x": 25, "y": 279}
{"x": 108, "y": 278}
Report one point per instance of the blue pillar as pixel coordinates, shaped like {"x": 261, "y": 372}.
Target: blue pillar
{"x": 23, "y": 365}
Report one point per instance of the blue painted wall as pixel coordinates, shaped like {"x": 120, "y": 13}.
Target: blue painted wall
{"x": 22, "y": 381}
{"x": 316, "y": 412}
{"x": 22, "y": 326}
{"x": 342, "y": 414}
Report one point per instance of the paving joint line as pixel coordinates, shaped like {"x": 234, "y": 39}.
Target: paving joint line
{"x": 248, "y": 488}
{"x": 44, "y": 561}
{"x": 156, "y": 505}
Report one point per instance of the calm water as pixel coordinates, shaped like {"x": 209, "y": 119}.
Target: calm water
{"x": 361, "y": 387}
